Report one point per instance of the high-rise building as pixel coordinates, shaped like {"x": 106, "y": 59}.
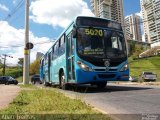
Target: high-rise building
{"x": 151, "y": 19}
{"x": 133, "y": 27}
{"x": 111, "y": 9}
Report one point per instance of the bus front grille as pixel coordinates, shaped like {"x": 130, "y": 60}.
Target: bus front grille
{"x": 106, "y": 76}
{"x": 103, "y": 69}
{"x": 101, "y": 63}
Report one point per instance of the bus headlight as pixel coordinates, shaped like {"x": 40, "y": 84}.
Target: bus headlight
{"x": 125, "y": 67}
{"x": 84, "y": 66}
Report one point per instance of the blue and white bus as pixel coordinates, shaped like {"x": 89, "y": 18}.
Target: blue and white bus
{"x": 90, "y": 51}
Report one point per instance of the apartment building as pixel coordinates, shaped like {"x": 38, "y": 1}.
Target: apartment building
{"x": 133, "y": 27}
{"x": 111, "y": 9}
{"x": 151, "y": 19}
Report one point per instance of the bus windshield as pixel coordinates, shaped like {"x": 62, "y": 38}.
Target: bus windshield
{"x": 100, "y": 43}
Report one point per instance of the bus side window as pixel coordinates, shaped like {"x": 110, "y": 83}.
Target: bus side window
{"x": 42, "y": 62}
{"x": 72, "y": 44}
{"x": 62, "y": 46}
{"x": 46, "y": 59}
{"x": 68, "y": 45}
{"x": 53, "y": 53}
{"x": 56, "y": 50}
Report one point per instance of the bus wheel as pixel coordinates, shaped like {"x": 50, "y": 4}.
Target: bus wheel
{"x": 101, "y": 85}
{"x": 62, "y": 81}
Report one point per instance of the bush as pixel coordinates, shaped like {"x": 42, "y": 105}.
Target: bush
{"x": 0, "y": 72}
{"x": 14, "y": 72}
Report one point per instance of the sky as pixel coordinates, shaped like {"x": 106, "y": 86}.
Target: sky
{"x": 48, "y": 18}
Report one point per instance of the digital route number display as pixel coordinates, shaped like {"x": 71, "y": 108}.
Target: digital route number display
{"x": 94, "y": 32}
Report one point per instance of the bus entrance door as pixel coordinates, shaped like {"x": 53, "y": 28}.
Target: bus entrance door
{"x": 70, "y": 57}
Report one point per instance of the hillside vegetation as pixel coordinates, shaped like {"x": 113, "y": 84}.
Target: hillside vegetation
{"x": 146, "y": 64}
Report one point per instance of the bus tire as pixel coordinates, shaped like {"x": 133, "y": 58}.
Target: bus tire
{"x": 101, "y": 85}
{"x": 62, "y": 81}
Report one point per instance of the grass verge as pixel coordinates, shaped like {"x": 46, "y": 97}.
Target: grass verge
{"x": 20, "y": 79}
{"x": 27, "y": 86}
{"x": 51, "y": 104}
{"x": 146, "y": 64}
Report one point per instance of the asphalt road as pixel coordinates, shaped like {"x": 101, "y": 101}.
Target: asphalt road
{"x": 125, "y": 102}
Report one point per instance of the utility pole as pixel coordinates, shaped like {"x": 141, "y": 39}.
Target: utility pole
{"x": 26, "y": 50}
{"x": 4, "y": 64}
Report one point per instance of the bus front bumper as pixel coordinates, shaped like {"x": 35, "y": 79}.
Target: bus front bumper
{"x": 83, "y": 77}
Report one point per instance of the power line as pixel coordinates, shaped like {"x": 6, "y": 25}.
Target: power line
{"x": 18, "y": 6}
{"x": 13, "y": 12}
{"x": 15, "y": 46}
{"x": 17, "y": 17}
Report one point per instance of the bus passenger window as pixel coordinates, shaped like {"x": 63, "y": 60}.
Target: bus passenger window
{"x": 46, "y": 59}
{"x": 56, "y": 50}
{"x": 62, "y": 40}
{"x": 69, "y": 45}
{"x": 62, "y": 46}
{"x": 53, "y": 53}
{"x": 72, "y": 44}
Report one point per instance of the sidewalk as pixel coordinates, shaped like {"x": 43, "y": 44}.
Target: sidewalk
{"x": 7, "y": 94}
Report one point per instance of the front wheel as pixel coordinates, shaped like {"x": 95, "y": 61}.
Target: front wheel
{"x": 101, "y": 85}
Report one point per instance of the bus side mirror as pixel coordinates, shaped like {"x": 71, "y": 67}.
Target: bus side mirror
{"x": 74, "y": 32}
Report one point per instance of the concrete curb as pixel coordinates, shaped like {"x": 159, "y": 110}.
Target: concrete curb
{"x": 93, "y": 107}
{"x": 135, "y": 83}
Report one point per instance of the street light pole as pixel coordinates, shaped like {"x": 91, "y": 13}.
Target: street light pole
{"x": 26, "y": 51}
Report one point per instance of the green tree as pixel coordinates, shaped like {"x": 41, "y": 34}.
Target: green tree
{"x": 137, "y": 50}
{"x": 20, "y": 62}
{"x": 1, "y": 65}
{"x": 132, "y": 47}
{"x": 34, "y": 67}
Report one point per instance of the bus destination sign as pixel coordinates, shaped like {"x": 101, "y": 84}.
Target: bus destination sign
{"x": 95, "y": 22}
